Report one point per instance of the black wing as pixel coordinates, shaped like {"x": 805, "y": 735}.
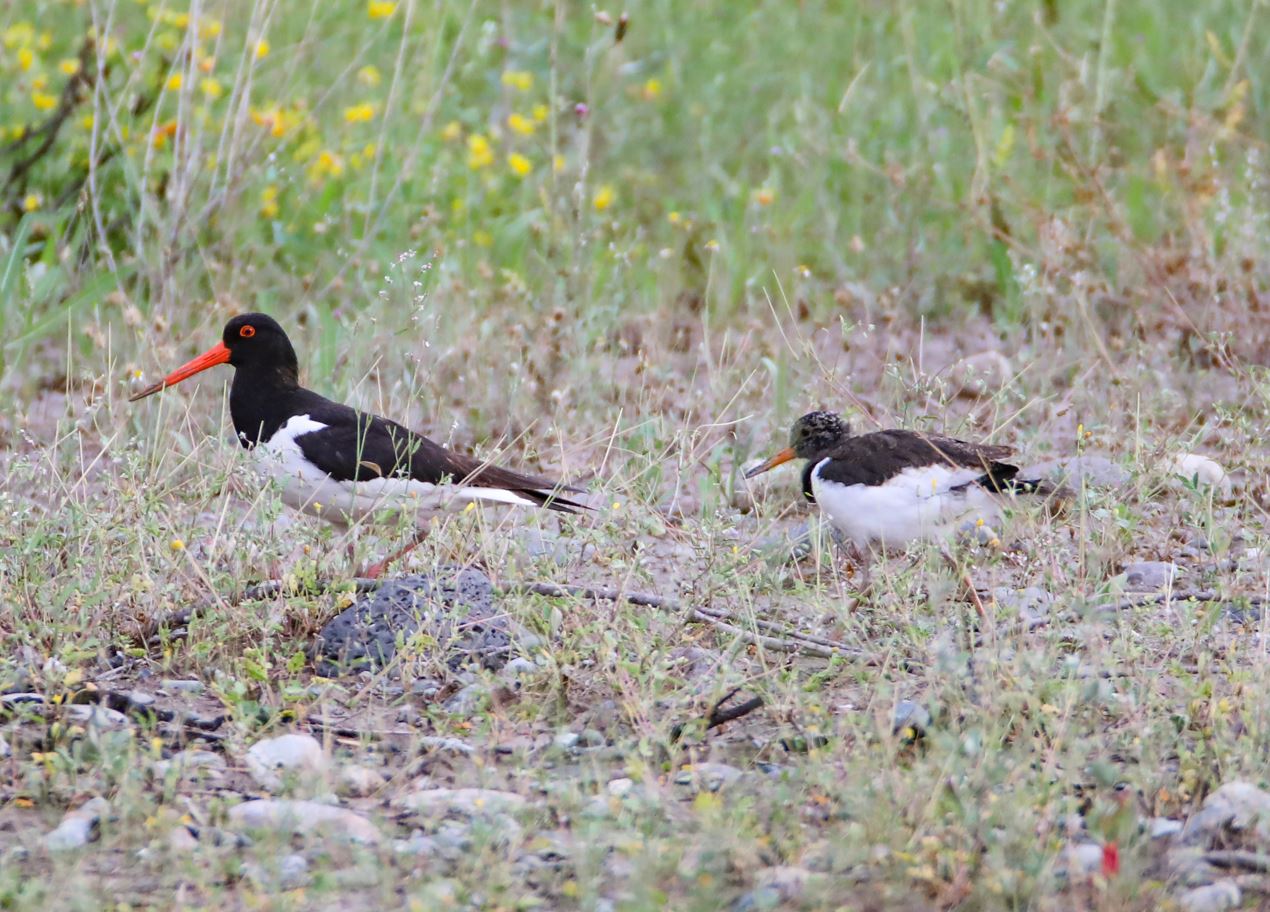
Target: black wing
{"x": 355, "y": 446}
{"x": 872, "y": 459}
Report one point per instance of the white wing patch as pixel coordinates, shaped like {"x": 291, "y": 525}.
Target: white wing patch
{"x": 307, "y": 488}
{"x": 918, "y": 503}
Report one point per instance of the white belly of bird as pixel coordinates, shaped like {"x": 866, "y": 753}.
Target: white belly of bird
{"x": 916, "y": 504}
{"x": 305, "y": 487}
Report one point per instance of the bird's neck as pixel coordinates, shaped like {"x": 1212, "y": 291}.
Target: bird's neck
{"x": 260, "y": 399}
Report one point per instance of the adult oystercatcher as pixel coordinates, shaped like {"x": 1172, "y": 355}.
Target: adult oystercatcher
{"x": 336, "y": 462}
{"x": 889, "y": 488}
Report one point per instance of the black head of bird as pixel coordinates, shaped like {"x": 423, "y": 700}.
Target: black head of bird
{"x": 812, "y": 436}
{"x": 251, "y": 342}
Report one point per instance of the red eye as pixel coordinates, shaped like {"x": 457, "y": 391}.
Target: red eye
{"x": 247, "y": 331}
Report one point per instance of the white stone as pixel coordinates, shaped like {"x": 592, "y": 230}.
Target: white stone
{"x": 78, "y": 827}
{"x": 619, "y": 788}
{"x": 360, "y": 781}
{"x": 273, "y": 760}
{"x": 303, "y": 817}
{"x": 1237, "y": 805}
{"x": 1216, "y": 897}
{"x": 1188, "y": 466}
{"x": 1083, "y": 858}
{"x": 468, "y": 801}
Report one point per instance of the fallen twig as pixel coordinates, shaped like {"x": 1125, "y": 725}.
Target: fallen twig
{"x": 1248, "y": 861}
{"x": 773, "y": 636}
{"x": 1178, "y": 595}
{"x": 779, "y": 640}
{"x": 719, "y": 716}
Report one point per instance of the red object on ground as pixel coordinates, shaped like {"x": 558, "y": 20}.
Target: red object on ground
{"x": 1110, "y": 860}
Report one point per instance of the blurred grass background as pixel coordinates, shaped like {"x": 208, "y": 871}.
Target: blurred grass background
{"x": 469, "y": 172}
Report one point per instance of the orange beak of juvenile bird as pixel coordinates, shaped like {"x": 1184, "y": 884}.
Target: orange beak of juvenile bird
{"x": 780, "y": 458}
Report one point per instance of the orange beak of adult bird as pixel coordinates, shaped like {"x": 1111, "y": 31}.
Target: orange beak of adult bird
{"x": 780, "y": 458}
{"x": 217, "y": 354}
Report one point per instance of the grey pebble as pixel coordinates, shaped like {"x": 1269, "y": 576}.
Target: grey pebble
{"x": 1216, "y": 897}
{"x": 289, "y": 873}
{"x": 187, "y": 761}
{"x": 101, "y": 718}
{"x": 434, "y": 745}
{"x": 78, "y": 828}
{"x": 520, "y": 667}
{"x": 180, "y": 685}
{"x": 139, "y": 699}
{"x": 418, "y": 844}
{"x": 456, "y": 609}
{"x": 470, "y": 802}
{"x": 910, "y": 715}
{"x": 1030, "y": 604}
{"x": 1150, "y": 576}
{"x": 708, "y": 777}
{"x": 1236, "y": 806}
{"x": 467, "y": 701}
{"x": 1163, "y": 827}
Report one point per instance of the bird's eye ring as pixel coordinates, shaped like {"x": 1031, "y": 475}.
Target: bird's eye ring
{"x": 247, "y": 331}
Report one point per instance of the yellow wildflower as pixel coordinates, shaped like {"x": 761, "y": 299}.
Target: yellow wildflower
{"x": 674, "y": 217}
{"x": 44, "y": 42}
{"x": 328, "y": 164}
{"x": 211, "y": 88}
{"x": 604, "y": 197}
{"x": 518, "y": 79}
{"x": 479, "y": 153}
{"x": 18, "y": 33}
{"x": 44, "y": 101}
{"x": 31, "y": 202}
{"x": 651, "y": 90}
{"x": 369, "y": 75}
{"x": 209, "y": 28}
{"x": 519, "y": 164}
{"x": 87, "y": 121}
{"x": 69, "y": 66}
{"x": 269, "y": 202}
{"x": 380, "y": 9}
{"x": 482, "y": 238}
{"x": 712, "y": 245}
{"x": 207, "y": 64}
{"x": 452, "y": 131}
{"x": 764, "y": 196}
{"x": 278, "y": 121}
{"x": 557, "y": 163}
{"x": 26, "y": 59}
{"x": 541, "y": 112}
{"x": 40, "y": 83}
{"x": 521, "y": 124}
{"x": 176, "y": 544}
{"x": 175, "y": 81}
{"x": 359, "y": 113}
{"x": 262, "y": 49}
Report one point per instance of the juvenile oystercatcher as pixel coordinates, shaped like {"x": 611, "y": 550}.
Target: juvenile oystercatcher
{"x": 888, "y": 488}
{"x": 335, "y": 462}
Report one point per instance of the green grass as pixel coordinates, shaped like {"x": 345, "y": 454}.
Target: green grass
{"x": 759, "y": 209}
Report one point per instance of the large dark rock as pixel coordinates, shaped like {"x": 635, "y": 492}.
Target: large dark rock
{"x": 454, "y": 608}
